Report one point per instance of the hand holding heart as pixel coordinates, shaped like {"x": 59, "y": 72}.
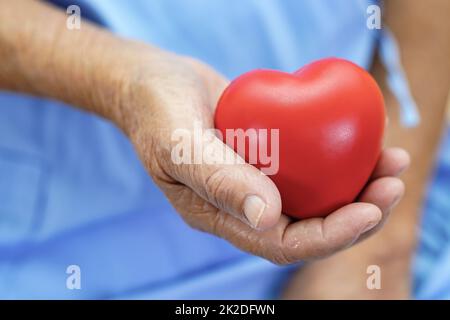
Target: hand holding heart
{"x": 237, "y": 202}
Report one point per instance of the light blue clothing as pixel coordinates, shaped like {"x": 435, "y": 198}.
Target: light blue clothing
{"x": 432, "y": 263}
{"x": 72, "y": 191}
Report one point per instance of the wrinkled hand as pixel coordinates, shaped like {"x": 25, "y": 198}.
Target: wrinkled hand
{"x": 236, "y": 202}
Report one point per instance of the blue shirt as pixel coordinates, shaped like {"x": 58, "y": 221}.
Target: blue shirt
{"x": 432, "y": 261}
{"x": 72, "y": 191}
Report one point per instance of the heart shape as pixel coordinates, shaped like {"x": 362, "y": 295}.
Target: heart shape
{"x": 330, "y": 117}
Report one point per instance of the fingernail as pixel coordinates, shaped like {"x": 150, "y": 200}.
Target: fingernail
{"x": 253, "y": 209}
{"x": 401, "y": 170}
{"x": 369, "y": 226}
{"x": 395, "y": 202}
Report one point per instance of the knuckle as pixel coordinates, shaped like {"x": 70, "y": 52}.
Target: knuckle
{"x": 193, "y": 222}
{"x": 281, "y": 259}
{"x": 217, "y": 187}
{"x": 282, "y": 255}
{"x": 210, "y": 221}
{"x": 217, "y": 222}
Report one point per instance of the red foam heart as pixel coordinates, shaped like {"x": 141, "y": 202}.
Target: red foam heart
{"x": 330, "y": 115}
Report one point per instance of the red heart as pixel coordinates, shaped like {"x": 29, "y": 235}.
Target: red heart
{"x": 330, "y": 115}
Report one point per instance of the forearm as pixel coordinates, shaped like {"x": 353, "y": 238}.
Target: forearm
{"x": 39, "y": 55}
{"x": 422, "y": 30}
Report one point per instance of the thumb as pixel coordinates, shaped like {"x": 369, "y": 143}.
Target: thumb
{"x": 232, "y": 186}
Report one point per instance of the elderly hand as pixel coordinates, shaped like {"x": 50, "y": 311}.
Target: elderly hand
{"x": 236, "y": 202}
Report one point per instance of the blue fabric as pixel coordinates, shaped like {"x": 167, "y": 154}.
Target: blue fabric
{"x": 396, "y": 80}
{"x": 432, "y": 262}
{"x": 72, "y": 190}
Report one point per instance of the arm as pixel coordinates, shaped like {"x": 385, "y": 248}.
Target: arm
{"x": 41, "y": 56}
{"x": 421, "y": 29}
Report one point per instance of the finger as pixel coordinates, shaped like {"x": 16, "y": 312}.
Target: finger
{"x": 385, "y": 193}
{"x": 347, "y": 225}
{"x": 319, "y": 237}
{"x": 289, "y": 242}
{"x": 392, "y": 162}
{"x": 226, "y": 181}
